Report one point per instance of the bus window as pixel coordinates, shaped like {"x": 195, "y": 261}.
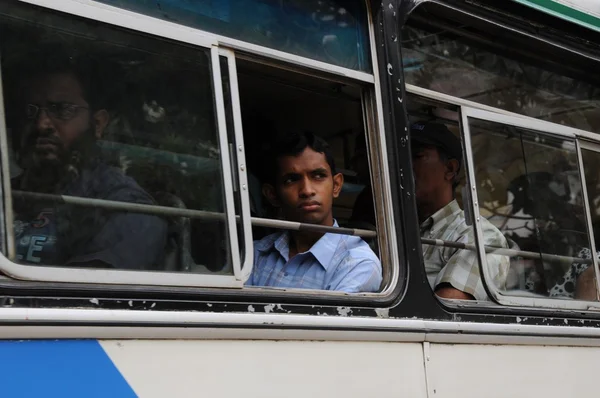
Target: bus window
{"x": 117, "y": 160}
{"x": 447, "y": 235}
{"x": 279, "y": 104}
{"x": 331, "y": 31}
{"x": 532, "y": 191}
{"x": 524, "y": 172}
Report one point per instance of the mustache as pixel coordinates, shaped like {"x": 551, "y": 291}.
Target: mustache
{"x": 48, "y": 139}
{"x": 45, "y": 136}
{"x": 36, "y": 142}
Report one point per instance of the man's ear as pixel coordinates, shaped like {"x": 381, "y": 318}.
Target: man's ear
{"x": 100, "y": 119}
{"x": 452, "y": 168}
{"x": 270, "y": 193}
{"x": 338, "y": 181}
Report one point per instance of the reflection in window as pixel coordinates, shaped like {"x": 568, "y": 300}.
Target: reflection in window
{"x": 581, "y": 274}
{"x": 332, "y": 31}
{"x": 439, "y": 60}
{"x": 129, "y": 119}
{"x": 531, "y": 190}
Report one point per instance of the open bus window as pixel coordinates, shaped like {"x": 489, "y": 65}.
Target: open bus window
{"x": 116, "y": 159}
{"x": 277, "y": 104}
{"x": 126, "y": 154}
{"x": 446, "y": 225}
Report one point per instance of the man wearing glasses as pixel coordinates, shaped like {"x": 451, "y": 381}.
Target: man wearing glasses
{"x": 62, "y": 118}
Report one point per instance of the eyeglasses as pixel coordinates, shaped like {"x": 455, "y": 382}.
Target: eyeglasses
{"x": 56, "y": 110}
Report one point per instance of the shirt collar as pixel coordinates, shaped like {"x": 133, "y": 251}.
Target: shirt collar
{"x": 278, "y": 241}
{"x": 282, "y": 245}
{"x": 445, "y": 212}
{"x": 323, "y": 250}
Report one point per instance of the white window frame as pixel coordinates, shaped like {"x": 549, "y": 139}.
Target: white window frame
{"x": 542, "y": 127}
{"x": 240, "y": 153}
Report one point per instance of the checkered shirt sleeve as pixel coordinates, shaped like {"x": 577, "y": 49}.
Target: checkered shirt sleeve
{"x": 462, "y": 266}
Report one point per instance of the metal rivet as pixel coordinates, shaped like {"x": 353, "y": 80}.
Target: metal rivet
{"x": 242, "y": 167}
{"x": 244, "y": 187}
{"x": 240, "y": 148}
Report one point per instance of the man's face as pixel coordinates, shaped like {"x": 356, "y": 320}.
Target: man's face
{"x": 57, "y": 116}
{"x": 305, "y": 188}
{"x": 430, "y": 173}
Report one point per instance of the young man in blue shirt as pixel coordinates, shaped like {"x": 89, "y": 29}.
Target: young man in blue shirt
{"x": 302, "y": 183}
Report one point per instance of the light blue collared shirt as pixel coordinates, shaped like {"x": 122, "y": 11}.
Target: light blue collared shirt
{"x": 336, "y": 262}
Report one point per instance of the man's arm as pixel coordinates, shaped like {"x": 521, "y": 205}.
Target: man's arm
{"x": 125, "y": 241}
{"x": 362, "y": 277}
{"x": 448, "y": 292}
{"x": 585, "y": 288}
{"x": 460, "y": 278}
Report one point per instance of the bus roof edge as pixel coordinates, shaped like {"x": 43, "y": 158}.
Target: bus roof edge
{"x": 582, "y": 12}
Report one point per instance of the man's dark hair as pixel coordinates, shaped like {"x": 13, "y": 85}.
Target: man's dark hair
{"x": 53, "y": 61}
{"x": 293, "y": 144}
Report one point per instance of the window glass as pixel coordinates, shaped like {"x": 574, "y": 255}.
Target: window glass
{"x": 582, "y": 273}
{"x": 100, "y": 113}
{"x": 446, "y": 60}
{"x": 332, "y": 31}
{"x": 531, "y": 190}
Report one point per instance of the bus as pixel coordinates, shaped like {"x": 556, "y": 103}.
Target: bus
{"x": 184, "y": 96}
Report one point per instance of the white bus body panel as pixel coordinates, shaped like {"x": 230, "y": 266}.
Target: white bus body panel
{"x": 255, "y": 368}
{"x": 261, "y": 369}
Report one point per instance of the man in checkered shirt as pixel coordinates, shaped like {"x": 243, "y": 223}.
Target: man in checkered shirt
{"x": 452, "y": 273}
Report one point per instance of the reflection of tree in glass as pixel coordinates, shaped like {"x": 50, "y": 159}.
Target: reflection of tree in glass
{"x": 530, "y": 189}
{"x": 439, "y": 61}
{"x": 591, "y": 164}
{"x": 324, "y": 29}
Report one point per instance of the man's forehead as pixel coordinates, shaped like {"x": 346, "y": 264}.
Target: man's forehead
{"x": 55, "y": 85}
{"x": 416, "y": 148}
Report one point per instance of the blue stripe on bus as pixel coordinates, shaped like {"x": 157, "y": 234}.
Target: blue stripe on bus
{"x": 59, "y": 368}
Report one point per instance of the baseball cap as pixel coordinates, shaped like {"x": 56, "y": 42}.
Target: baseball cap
{"x": 437, "y": 135}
